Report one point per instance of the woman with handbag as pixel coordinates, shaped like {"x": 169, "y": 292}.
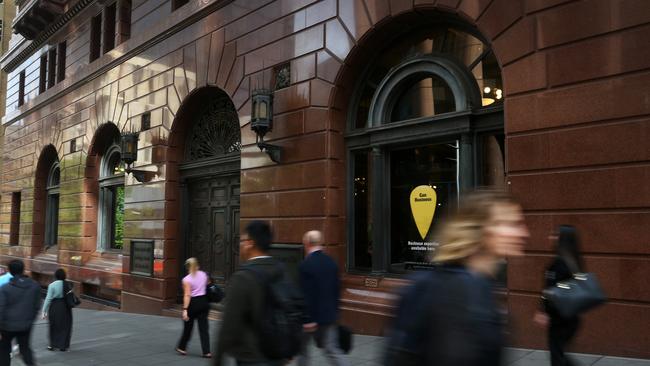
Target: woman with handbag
{"x": 196, "y": 306}
{"x": 568, "y": 262}
{"x": 59, "y": 313}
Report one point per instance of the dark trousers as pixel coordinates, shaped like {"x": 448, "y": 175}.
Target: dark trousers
{"x": 23, "y": 343}
{"x": 198, "y": 310}
{"x": 60, "y": 316}
{"x": 560, "y": 334}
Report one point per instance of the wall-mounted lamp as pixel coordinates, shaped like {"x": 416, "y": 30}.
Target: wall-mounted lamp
{"x": 262, "y": 122}
{"x": 129, "y": 145}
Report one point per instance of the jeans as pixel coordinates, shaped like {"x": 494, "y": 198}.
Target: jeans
{"x": 23, "y": 343}
{"x": 327, "y": 338}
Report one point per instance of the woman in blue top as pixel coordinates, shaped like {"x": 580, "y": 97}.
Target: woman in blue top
{"x": 58, "y": 312}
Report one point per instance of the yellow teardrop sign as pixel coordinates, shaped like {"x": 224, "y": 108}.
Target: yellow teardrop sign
{"x": 423, "y": 206}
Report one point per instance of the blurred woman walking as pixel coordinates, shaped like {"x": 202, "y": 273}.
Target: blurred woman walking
{"x": 196, "y": 306}
{"x": 567, "y": 262}
{"x": 58, "y": 312}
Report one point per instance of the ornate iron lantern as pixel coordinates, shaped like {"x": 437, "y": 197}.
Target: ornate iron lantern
{"x": 129, "y": 155}
{"x": 262, "y": 122}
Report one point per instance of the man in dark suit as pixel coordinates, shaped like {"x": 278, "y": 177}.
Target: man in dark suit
{"x": 20, "y": 301}
{"x": 319, "y": 279}
{"x": 239, "y": 336}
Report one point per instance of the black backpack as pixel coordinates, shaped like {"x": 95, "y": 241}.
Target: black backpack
{"x": 282, "y": 318}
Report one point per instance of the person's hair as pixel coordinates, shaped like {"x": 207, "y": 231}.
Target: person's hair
{"x": 16, "y": 267}
{"x": 260, "y": 233}
{"x": 191, "y": 264}
{"x": 60, "y": 274}
{"x": 568, "y": 246}
{"x": 461, "y": 235}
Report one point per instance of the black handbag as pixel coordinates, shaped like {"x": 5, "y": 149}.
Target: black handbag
{"x": 71, "y": 300}
{"x": 214, "y": 292}
{"x": 575, "y": 296}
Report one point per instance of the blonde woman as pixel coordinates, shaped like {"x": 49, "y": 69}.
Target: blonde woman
{"x": 195, "y": 307}
{"x": 448, "y": 316}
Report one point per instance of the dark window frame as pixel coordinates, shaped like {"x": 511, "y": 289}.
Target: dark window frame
{"x": 109, "y": 184}
{"x": 42, "y": 78}
{"x": 177, "y": 4}
{"x": 109, "y": 23}
{"x": 380, "y": 137}
{"x": 61, "y": 61}
{"x": 52, "y": 206}
{"x": 51, "y": 67}
{"x": 21, "y": 88}
{"x": 95, "y": 37}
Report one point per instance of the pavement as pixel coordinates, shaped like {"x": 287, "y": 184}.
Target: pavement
{"x": 105, "y": 338}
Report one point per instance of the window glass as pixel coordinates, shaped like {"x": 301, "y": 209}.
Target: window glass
{"x": 362, "y": 211}
{"x": 413, "y": 224}
{"x": 427, "y": 96}
{"x": 449, "y": 42}
{"x": 490, "y": 151}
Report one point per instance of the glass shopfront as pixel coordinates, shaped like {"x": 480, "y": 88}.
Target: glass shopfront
{"x": 427, "y": 125}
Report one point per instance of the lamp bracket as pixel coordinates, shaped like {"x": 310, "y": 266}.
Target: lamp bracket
{"x": 273, "y": 151}
{"x": 142, "y": 175}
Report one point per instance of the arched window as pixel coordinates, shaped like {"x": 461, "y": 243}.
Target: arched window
{"x": 111, "y": 199}
{"x": 52, "y": 206}
{"x": 426, "y": 117}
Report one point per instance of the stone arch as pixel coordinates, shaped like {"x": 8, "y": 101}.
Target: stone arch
{"x": 47, "y": 158}
{"x": 177, "y": 152}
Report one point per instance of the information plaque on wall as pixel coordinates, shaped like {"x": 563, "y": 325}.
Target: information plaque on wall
{"x": 142, "y": 257}
{"x": 289, "y": 254}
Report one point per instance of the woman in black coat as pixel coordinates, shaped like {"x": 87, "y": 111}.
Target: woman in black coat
{"x": 58, "y": 312}
{"x": 567, "y": 262}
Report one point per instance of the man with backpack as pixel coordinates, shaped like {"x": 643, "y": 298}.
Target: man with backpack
{"x": 19, "y": 304}
{"x": 319, "y": 279}
{"x": 262, "y": 319}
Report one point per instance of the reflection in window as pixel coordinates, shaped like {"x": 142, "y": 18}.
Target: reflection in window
{"x": 435, "y": 166}
{"x": 362, "y": 211}
{"x": 492, "y": 160}
{"x": 458, "y": 45}
{"x": 426, "y": 97}
{"x": 52, "y": 206}
{"x": 111, "y": 200}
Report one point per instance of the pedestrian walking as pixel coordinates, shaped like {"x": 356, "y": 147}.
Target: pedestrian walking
{"x": 4, "y": 279}
{"x": 319, "y": 279}
{"x": 57, "y": 311}
{"x": 20, "y": 302}
{"x": 259, "y": 295}
{"x": 449, "y": 316}
{"x": 566, "y": 263}
{"x": 196, "y": 306}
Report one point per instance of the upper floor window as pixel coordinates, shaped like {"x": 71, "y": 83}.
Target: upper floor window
{"x": 178, "y": 3}
{"x": 21, "y": 88}
{"x": 95, "y": 37}
{"x": 1, "y": 29}
{"x": 111, "y": 200}
{"x": 14, "y": 229}
{"x": 124, "y": 21}
{"x": 52, "y": 67}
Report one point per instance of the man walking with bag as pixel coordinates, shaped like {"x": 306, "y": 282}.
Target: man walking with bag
{"x": 262, "y": 319}
{"x": 319, "y": 278}
{"x": 19, "y": 304}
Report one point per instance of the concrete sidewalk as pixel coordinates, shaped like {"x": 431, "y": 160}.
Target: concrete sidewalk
{"x": 120, "y": 339}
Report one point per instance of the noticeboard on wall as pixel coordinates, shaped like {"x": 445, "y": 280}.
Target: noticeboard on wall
{"x": 291, "y": 255}
{"x": 142, "y": 257}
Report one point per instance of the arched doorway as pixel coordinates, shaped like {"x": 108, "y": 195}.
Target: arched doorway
{"x": 209, "y": 176}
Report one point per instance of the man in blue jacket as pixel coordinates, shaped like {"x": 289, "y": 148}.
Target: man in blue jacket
{"x": 319, "y": 279}
{"x": 20, "y": 301}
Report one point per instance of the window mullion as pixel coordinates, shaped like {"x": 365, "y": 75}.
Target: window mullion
{"x": 378, "y": 213}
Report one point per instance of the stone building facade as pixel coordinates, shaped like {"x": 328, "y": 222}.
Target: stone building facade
{"x": 371, "y": 99}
